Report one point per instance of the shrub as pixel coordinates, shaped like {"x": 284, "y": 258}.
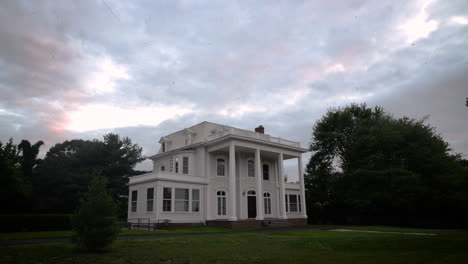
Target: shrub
{"x": 95, "y": 223}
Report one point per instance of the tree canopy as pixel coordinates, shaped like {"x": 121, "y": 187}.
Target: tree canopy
{"x": 56, "y": 183}
{"x": 372, "y": 168}
{"x": 68, "y": 168}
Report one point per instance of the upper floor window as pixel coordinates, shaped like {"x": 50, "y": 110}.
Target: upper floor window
{"x": 162, "y": 168}
{"x": 163, "y": 147}
{"x": 171, "y": 163}
{"x": 266, "y": 172}
{"x": 185, "y": 165}
{"x": 176, "y": 165}
{"x": 149, "y": 199}
{"x": 251, "y": 168}
{"x": 187, "y": 139}
{"x": 134, "y": 201}
{"x": 220, "y": 168}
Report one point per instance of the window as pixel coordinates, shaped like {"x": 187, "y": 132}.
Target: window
{"x": 163, "y": 146}
{"x": 220, "y": 168}
{"x": 251, "y": 168}
{"x": 299, "y": 202}
{"x": 163, "y": 168}
{"x": 195, "y": 200}
{"x": 251, "y": 193}
{"x": 134, "y": 200}
{"x": 293, "y": 203}
{"x": 171, "y": 163}
{"x": 167, "y": 199}
{"x": 286, "y": 201}
{"x": 267, "y": 203}
{"x": 221, "y": 197}
{"x": 266, "y": 172}
{"x": 176, "y": 165}
{"x": 187, "y": 139}
{"x": 181, "y": 200}
{"x": 185, "y": 165}
{"x": 149, "y": 199}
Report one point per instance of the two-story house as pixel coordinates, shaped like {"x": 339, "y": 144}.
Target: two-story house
{"x": 220, "y": 175}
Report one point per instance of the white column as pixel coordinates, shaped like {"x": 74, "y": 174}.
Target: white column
{"x": 301, "y": 183}
{"x": 209, "y": 198}
{"x": 283, "y": 214}
{"x": 232, "y": 183}
{"x": 259, "y": 182}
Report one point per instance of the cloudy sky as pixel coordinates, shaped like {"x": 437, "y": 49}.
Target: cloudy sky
{"x": 143, "y": 69}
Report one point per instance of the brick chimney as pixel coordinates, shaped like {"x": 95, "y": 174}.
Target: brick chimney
{"x": 260, "y": 129}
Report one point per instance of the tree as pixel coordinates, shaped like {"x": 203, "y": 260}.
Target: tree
{"x": 68, "y": 168}
{"x": 371, "y": 168}
{"x": 29, "y": 157}
{"x": 13, "y": 189}
{"x": 95, "y": 224}
{"x": 16, "y": 169}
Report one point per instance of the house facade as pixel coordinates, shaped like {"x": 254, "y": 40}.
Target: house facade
{"x": 219, "y": 175}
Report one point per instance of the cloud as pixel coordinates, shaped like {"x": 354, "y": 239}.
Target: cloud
{"x": 100, "y": 116}
{"x": 419, "y": 26}
{"x": 459, "y": 20}
{"x": 148, "y": 68}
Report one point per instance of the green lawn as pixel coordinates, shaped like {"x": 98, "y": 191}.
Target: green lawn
{"x": 179, "y": 230}
{"x": 312, "y": 246}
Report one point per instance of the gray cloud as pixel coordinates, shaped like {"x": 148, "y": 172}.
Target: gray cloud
{"x": 238, "y": 63}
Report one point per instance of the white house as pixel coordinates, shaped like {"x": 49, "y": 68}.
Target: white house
{"x": 219, "y": 175}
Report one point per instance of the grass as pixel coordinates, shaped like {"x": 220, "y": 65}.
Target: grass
{"x": 311, "y": 246}
{"x": 68, "y": 233}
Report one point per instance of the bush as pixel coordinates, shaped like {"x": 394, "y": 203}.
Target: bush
{"x": 95, "y": 224}
{"x": 34, "y": 222}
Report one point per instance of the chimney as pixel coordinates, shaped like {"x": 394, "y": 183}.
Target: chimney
{"x": 260, "y": 129}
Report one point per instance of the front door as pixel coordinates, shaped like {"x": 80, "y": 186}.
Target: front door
{"x": 251, "y": 206}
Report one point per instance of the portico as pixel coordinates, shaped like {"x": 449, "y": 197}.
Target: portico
{"x": 267, "y": 184}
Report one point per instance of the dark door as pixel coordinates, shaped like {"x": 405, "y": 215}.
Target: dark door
{"x": 251, "y": 206}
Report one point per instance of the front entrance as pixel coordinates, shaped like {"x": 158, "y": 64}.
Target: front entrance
{"x": 251, "y": 204}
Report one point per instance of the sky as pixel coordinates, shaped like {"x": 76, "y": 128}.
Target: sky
{"x": 144, "y": 69}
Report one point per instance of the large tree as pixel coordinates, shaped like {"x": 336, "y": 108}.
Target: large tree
{"x": 370, "y": 167}
{"x": 68, "y": 168}
{"x": 29, "y": 158}
{"x": 17, "y": 165}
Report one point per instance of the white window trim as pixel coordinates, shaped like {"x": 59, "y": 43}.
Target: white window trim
{"x": 165, "y": 199}
{"x": 224, "y": 173}
{"x": 131, "y": 201}
{"x": 226, "y": 169}
{"x": 288, "y": 203}
{"x": 190, "y": 211}
{"x": 148, "y": 200}
{"x": 225, "y": 203}
{"x": 253, "y": 161}
{"x": 269, "y": 171}
{"x": 188, "y": 165}
{"x": 265, "y": 198}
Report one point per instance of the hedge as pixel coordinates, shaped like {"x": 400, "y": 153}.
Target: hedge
{"x": 34, "y": 222}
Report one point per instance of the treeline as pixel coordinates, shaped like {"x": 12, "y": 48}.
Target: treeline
{"x": 368, "y": 167}
{"x": 56, "y": 183}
